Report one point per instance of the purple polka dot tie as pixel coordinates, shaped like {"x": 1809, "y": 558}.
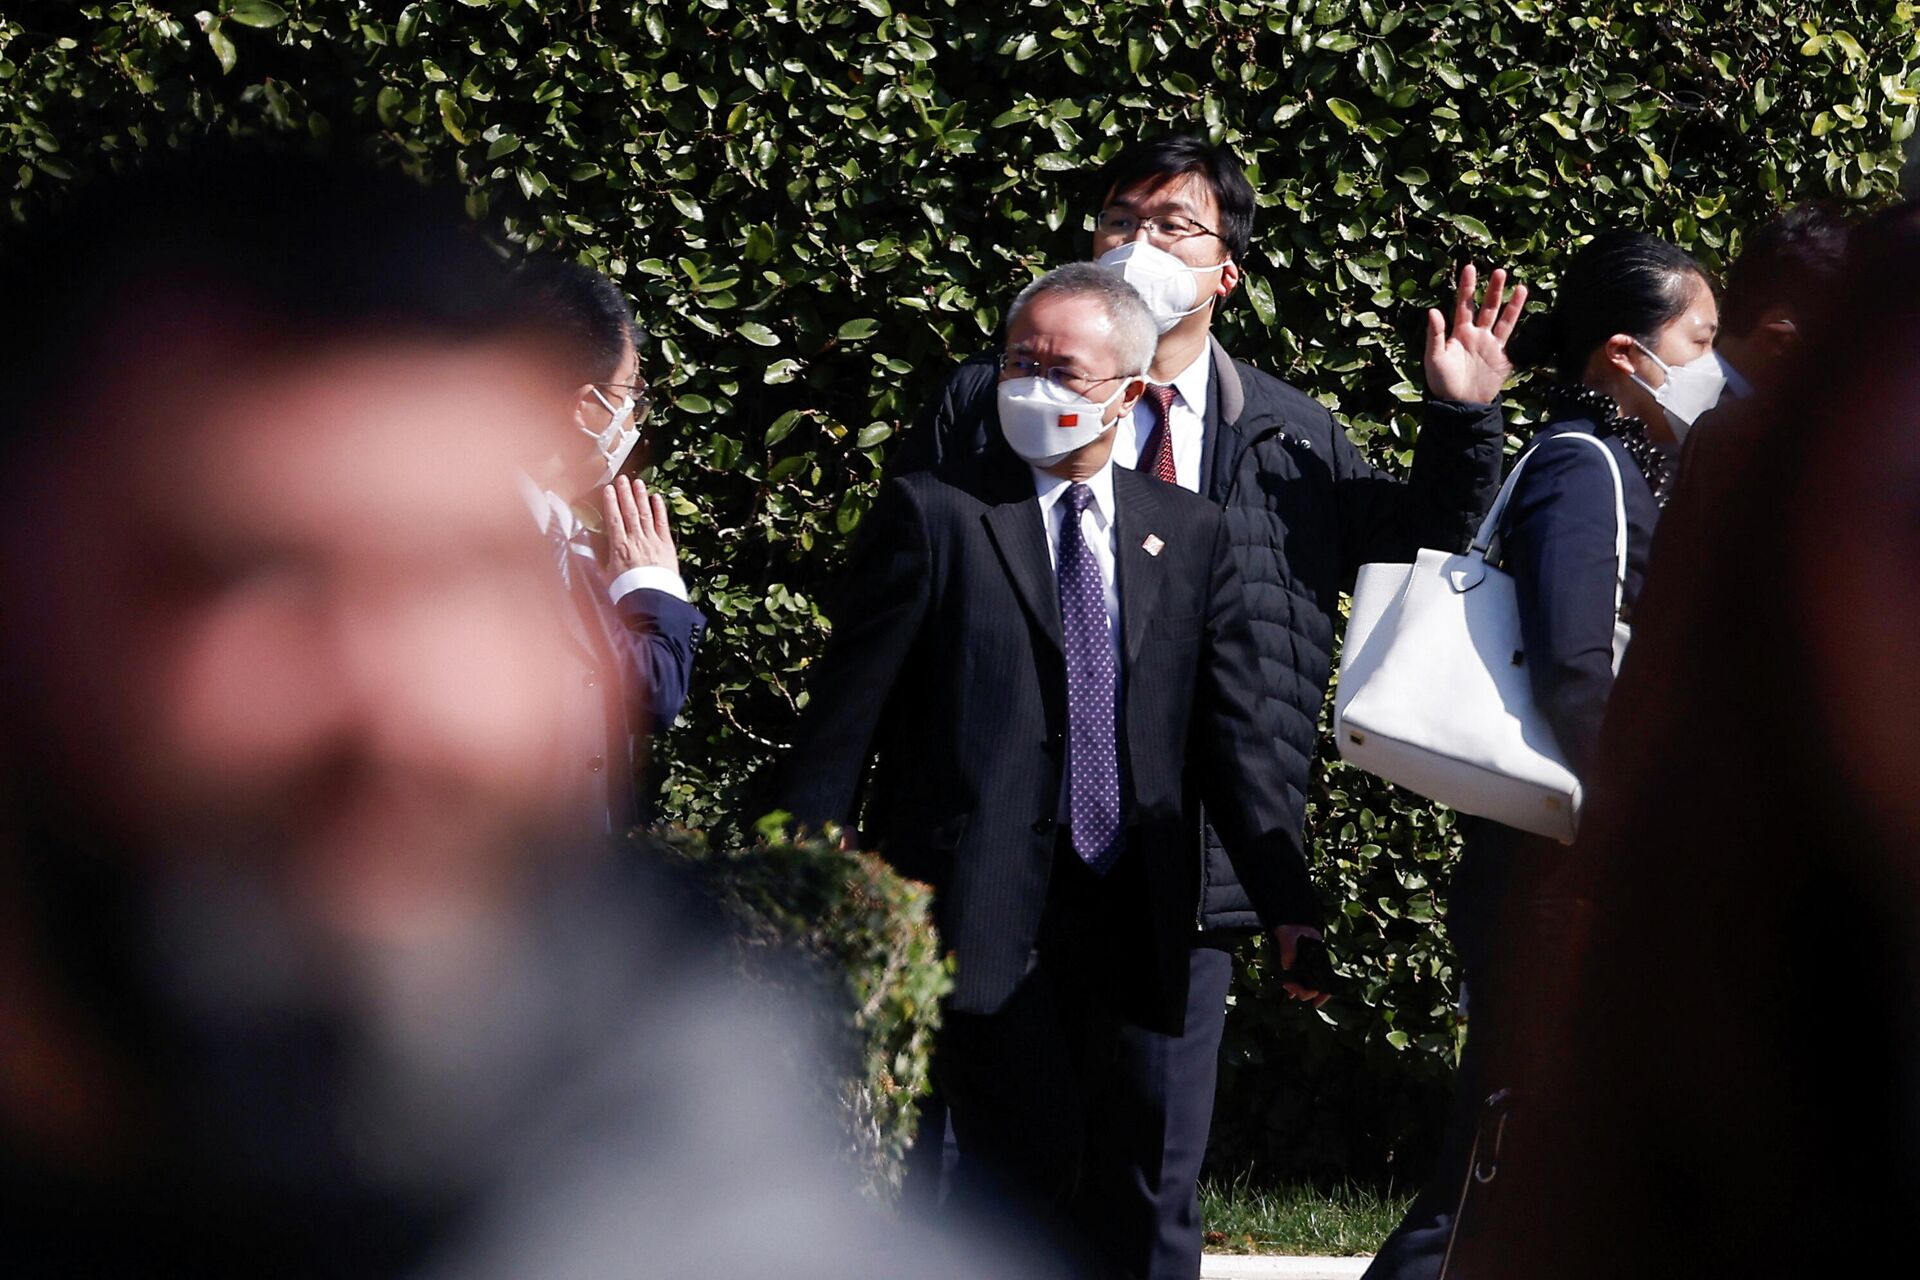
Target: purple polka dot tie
{"x": 1093, "y": 762}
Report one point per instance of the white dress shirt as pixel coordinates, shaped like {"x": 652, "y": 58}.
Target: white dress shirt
{"x": 1096, "y": 525}
{"x": 1187, "y": 419}
{"x": 549, "y": 507}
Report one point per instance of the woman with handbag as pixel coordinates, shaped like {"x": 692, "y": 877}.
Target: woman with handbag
{"x": 1631, "y": 342}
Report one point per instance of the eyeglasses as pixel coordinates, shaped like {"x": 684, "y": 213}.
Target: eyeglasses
{"x": 1063, "y": 376}
{"x": 1118, "y": 222}
{"x": 636, "y": 391}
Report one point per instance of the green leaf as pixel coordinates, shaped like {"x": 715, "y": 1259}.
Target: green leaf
{"x": 386, "y": 105}
{"x": 222, "y": 47}
{"x": 854, "y": 330}
{"x": 256, "y": 13}
{"x": 1471, "y": 225}
{"x": 689, "y": 207}
{"x": 782, "y": 427}
{"x": 1345, "y": 112}
{"x": 872, "y": 435}
{"x": 1560, "y": 124}
{"x": 453, "y": 117}
{"x": 1260, "y": 294}
{"x": 758, "y": 334}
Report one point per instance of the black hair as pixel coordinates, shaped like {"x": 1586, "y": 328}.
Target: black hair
{"x": 1619, "y": 282}
{"x": 1162, "y": 159}
{"x": 1794, "y": 260}
{"x": 293, "y": 247}
{"x": 586, "y": 310}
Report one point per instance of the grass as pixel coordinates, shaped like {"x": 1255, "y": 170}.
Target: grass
{"x": 1339, "y": 1222}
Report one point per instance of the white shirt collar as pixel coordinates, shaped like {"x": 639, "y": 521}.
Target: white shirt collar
{"x": 1191, "y": 382}
{"x": 545, "y": 505}
{"x": 1050, "y": 488}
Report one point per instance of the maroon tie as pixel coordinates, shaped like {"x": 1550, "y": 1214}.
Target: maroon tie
{"x": 1159, "y": 448}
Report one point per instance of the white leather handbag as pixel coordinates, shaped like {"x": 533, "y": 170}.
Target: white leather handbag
{"x": 1434, "y": 693}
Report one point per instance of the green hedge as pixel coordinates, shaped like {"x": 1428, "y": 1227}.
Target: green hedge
{"x": 869, "y": 968}
{"x": 820, "y": 205}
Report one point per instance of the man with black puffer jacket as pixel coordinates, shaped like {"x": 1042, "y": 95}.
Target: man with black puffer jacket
{"x": 1304, "y": 511}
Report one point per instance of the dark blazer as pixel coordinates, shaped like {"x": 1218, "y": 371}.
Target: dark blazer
{"x": 946, "y": 661}
{"x": 1304, "y": 511}
{"x": 1558, "y": 543}
{"x": 636, "y": 667}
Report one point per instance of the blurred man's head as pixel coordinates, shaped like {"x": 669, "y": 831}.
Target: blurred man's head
{"x": 1778, "y": 288}
{"x": 273, "y": 608}
{"x": 606, "y": 400}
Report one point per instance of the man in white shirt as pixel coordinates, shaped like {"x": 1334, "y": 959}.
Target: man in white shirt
{"x": 1052, "y": 662}
{"x": 632, "y": 627}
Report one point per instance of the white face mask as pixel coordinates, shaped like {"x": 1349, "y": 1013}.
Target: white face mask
{"x": 1689, "y": 391}
{"x": 615, "y": 442}
{"x": 1167, "y": 285}
{"x": 1044, "y": 423}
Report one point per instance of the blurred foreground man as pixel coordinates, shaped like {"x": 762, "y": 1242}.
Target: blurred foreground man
{"x": 1303, "y": 510}
{"x": 1037, "y": 655}
{"x": 296, "y": 978}
{"x": 632, "y": 631}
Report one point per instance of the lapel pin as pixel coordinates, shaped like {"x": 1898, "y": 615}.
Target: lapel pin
{"x": 1153, "y": 546}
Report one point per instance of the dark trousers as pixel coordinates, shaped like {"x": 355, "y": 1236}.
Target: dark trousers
{"x": 1499, "y": 900}
{"x": 1023, "y": 1086}
{"x": 1144, "y": 1171}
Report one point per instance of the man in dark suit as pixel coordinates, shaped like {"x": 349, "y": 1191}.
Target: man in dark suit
{"x": 632, "y": 628}
{"x": 1041, "y": 649}
{"x": 1304, "y": 509}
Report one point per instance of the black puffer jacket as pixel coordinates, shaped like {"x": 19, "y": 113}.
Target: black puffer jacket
{"x": 1304, "y": 509}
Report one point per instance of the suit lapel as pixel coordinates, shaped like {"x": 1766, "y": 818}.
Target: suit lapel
{"x": 1020, "y": 535}
{"x": 1137, "y": 563}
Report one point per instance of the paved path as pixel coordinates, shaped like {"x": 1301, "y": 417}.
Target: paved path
{"x": 1224, "y": 1266}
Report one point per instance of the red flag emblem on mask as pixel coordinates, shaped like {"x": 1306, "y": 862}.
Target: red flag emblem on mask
{"x": 1069, "y": 419}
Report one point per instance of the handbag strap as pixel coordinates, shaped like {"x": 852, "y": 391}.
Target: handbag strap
{"x": 1489, "y": 535}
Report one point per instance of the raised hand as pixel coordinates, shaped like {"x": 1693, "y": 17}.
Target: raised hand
{"x": 1471, "y": 363}
{"x": 636, "y": 523}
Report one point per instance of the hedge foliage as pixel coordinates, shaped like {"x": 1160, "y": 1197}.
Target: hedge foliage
{"x": 869, "y": 968}
{"x": 820, "y": 205}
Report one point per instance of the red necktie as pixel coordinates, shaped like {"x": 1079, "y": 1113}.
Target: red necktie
{"x": 1159, "y": 449}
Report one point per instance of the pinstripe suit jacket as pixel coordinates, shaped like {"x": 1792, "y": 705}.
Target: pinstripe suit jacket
{"x": 944, "y": 684}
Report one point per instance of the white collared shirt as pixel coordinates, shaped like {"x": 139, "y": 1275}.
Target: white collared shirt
{"x": 1187, "y": 419}
{"x": 549, "y": 507}
{"x": 1096, "y": 525}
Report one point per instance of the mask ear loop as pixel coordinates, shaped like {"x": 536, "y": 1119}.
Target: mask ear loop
{"x": 615, "y": 423}
{"x": 1210, "y": 298}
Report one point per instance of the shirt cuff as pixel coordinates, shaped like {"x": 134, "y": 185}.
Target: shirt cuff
{"x": 648, "y": 577}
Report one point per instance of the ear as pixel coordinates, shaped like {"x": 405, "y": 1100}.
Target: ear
{"x": 1229, "y": 279}
{"x": 1777, "y": 334}
{"x": 1130, "y": 396}
{"x": 1618, "y": 353}
{"x": 584, "y": 403}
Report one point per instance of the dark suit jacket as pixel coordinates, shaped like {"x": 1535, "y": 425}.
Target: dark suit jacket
{"x": 1304, "y": 511}
{"x": 1558, "y": 543}
{"x": 946, "y": 661}
{"x": 636, "y": 667}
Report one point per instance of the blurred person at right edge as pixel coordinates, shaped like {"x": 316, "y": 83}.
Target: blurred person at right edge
{"x": 1723, "y": 1055}
{"x": 304, "y": 967}
{"x": 1777, "y": 289}
{"x": 1304, "y": 510}
{"x": 1631, "y": 339}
